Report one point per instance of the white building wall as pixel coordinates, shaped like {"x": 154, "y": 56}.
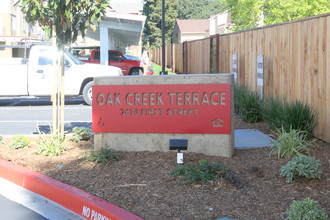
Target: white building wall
{"x": 193, "y": 36}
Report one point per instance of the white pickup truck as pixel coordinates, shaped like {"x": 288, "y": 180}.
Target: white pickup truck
{"x": 37, "y": 77}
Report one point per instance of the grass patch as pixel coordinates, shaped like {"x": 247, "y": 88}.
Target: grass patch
{"x": 157, "y": 68}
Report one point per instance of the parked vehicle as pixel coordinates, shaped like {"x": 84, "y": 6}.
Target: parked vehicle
{"x": 36, "y": 77}
{"x": 130, "y": 65}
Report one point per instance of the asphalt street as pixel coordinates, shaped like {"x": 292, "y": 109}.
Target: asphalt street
{"x": 23, "y": 116}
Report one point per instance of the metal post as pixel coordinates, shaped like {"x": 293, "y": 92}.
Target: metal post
{"x": 163, "y": 72}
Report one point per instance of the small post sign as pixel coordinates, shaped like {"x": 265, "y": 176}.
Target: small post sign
{"x": 165, "y": 108}
{"x": 260, "y": 73}
{"x": 235, "y": 58}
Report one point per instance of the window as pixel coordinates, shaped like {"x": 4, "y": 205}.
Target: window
{"x": 45, "y": 58}
{"x": 97, "y": 55}
{"x": 13, "y": 23}
{"x": 114, "y": 56}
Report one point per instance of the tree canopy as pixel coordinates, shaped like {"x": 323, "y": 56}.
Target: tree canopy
{"x": 197, "y": 9}
{"x": 247, "y": 14}
{"x": 152, "y": 33}
{"x": 70, "y": 17}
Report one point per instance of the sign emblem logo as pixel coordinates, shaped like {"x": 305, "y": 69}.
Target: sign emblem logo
{"x": 217, "y": 123}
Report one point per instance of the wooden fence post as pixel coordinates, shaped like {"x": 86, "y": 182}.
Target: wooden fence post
{"x": 217, "y": 52}
{"x": 173, "y": 58}
{"x": 185, "y": 57}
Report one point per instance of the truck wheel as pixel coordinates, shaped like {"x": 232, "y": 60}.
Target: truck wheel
{"x": 135, "y": 71}
{"x": 87, "y": 93}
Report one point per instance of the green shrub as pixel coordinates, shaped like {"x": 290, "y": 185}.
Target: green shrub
{"x": 279, "y": 113}
{"x": 289, "y": 144}
{"x": 80, "y": 134}
{"x": 199, "y": 172}
{"x": 1, "y": 140}
{"x": 50, "y": 145}
{"x": 307, "y": 209}
{"x": 247, "y": 104}
{"x": 103, "y": 156}
{"x": 301, "y": 166}
{"x": 19, "y": 141}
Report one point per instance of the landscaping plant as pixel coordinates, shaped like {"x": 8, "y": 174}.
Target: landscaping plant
{"x": 80, "y": 134}
{"x": 103, "y": 156}
{"x": 280, "y": 113}
{"x": 1, "y": 140}
{"x": 289, "y": 144}
{"x": 307, "y": 209}
{"x": 301, "y": 166}
{"x": 19, "y": 141}
{"x": 51, "y": 145}
{"x": 247, "y": 104}
{"x": 199, "y": 172}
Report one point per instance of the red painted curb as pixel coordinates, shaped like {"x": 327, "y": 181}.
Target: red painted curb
{"x": 76, "y": 200}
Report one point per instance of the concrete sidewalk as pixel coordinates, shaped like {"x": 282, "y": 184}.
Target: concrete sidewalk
{"x": 252, "y": 138}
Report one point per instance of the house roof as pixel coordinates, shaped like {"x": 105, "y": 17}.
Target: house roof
{"x": 193, "y": 26}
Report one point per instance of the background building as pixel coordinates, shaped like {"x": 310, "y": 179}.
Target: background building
{"x": 188, "y": 30}
{"x": 15, "y": 31}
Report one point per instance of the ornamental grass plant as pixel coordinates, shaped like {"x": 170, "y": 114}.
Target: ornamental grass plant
{"x": 281, "y": 114}
{"x": 247, "y": 104}
{"x": 50, "y": 145}
{"x": 289, "y": 144}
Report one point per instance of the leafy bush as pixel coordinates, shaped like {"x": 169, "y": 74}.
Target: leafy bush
{"x": 19, "y": 141}
{"x": 307, "y": 209}
{"x": 199, "y": 172}
{"x": 1, "y": 140}
{"x": 301, "y": 166}
{"x": 80, "y": 134}
{"x": 279, "y": 113}
{"x": 247, "y": 104}
{"x": 290, "y": 143}
{"x": 103, "y": 156}
{"x": 50, "y": 146}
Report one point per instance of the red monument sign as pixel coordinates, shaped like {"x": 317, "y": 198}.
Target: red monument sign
{"x": 170, "y": 108}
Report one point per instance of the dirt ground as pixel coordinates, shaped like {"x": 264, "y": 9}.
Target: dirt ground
{"x": 140, "y": 181}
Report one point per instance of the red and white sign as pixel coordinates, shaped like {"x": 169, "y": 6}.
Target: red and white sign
{"x": 186, "y": 108}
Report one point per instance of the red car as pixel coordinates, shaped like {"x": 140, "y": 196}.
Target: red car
{"x": 129, "y": 65}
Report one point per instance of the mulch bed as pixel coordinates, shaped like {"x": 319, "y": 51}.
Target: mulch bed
{"x": 140, "y": 181}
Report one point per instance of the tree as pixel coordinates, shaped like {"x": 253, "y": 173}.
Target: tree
{"x": 197, "y": 9}
{"x": 247, "y": 14}
{"x": 152, "y": 33}
{"x": 68, "y": 18}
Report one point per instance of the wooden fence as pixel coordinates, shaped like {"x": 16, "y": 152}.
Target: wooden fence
{"x": 296, "y": 61}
